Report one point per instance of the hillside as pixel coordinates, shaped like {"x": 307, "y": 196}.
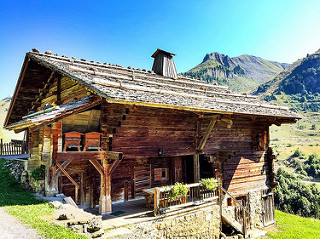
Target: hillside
{"x": 7, "y": 135}
{"x": 298, "y": 86}
{"x": 240, "y": 73}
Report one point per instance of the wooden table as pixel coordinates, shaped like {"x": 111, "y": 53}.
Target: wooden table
{"x": 149, "y": 196}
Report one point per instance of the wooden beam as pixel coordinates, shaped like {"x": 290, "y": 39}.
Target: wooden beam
{"x": 81, "y": 155}
{"x": 207, "y": 133}
{"x": 227, "y": 122}
{"x": 114, "y": 166}
{"x": 112, "y": 155}
{"x": 17, "y": 89}
{"x": 71, "y": 180}
{"x": 97, "y": 166}
{"x": 64, "y": 165}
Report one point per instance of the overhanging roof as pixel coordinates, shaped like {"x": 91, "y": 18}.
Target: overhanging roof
{"x": 123, "y": 85}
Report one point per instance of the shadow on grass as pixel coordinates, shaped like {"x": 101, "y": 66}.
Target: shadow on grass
{"x": 13, "y": 193}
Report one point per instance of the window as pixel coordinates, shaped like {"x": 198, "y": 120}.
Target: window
{"x": 161, "y": 174}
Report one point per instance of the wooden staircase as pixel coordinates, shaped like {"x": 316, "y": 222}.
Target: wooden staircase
{"x": 240, "y": 221}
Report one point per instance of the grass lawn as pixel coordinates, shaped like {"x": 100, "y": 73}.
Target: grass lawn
{"x": 292, "y": 226}
{"x": 21, "y": 203}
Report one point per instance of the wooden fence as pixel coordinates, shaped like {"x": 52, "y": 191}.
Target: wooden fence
{"x": 15, "y": 147}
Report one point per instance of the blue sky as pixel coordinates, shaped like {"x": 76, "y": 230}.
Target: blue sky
{"x": 128, "y": 32}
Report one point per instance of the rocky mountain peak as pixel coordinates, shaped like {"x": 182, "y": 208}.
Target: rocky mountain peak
{"x": 218, "y": 57}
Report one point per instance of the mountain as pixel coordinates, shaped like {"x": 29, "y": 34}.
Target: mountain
{"x": 297, "y": 86}
{"x": 7, "y": 135}
{"x": 242, "y": 73}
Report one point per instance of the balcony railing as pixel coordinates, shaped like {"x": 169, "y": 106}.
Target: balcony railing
{"x": 196, "y": 195}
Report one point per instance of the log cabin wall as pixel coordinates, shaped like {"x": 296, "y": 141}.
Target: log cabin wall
{"x": 35, "y": 148}
{"x": 125, "y": 171}
{"x": 140, "y": 132}
{"x": 62, "y": 90}
{"x": 244, "y": 166}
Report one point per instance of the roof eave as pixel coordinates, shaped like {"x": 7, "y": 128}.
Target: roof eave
{"x": 18, "y": 85}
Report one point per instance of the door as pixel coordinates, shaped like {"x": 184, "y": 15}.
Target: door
{"x": 206, "y": 169}
{"x": 267, "y": 207}
{"x": 188, "y": 168}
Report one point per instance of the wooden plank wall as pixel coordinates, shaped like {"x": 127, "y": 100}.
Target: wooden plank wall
{"x": 35, "y": 148}
{"x": 143, "y": 131}
{"x": 88, "y": 179}
{"x": 69, "y": 89}
{"x": 83, "y": 122}
{"x": 124, "y": 172}
{"x": 246, "y": 168}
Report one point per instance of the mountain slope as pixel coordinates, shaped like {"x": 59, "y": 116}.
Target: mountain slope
{"x": 297, "y": 86}
{"x": 7, "y": 135}
{"x": 240, "y": 73}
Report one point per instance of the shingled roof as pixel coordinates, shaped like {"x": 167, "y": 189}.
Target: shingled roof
{"x": 126, "y": 85}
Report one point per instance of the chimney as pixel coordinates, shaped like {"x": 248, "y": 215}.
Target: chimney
{"x": 163, "y": 64}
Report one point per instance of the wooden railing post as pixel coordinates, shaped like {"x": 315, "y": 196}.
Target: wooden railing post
{"x": 1, "y": 147}
{"x": 244, "y": 223}
{"x": 126, "y": 191}
{"x": 156, "y": 203}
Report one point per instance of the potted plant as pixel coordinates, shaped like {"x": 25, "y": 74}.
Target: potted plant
{"x": 176, "y": 192}
{"x": 209, "y": 184}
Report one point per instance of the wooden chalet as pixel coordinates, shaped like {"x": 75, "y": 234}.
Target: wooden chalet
{"x": 106, "y": 133}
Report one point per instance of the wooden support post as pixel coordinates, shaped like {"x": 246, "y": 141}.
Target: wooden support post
{"x": 105, "y": 203}
{"x": 156, "y": 203}
{"x": 196, "y": 168}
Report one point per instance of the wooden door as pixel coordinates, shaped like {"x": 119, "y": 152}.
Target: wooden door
{"x": 267, "y": 207}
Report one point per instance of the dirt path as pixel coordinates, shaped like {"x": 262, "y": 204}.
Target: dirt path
{"x": 12, "y": 228}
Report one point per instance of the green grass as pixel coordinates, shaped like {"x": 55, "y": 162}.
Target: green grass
{"x": 292, "y": 226}
{"x": 21, "y": 203}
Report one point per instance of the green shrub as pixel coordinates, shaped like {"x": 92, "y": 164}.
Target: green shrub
{"x": 209, "y": 183}
{"x": 38, "y": 173}
{"x": 177, "y": 190}
{"x": 297, "y": 153}
{"x": 293, "y": 196}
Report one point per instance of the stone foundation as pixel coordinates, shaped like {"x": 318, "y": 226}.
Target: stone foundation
{"x": 255, "y": 206}
{"x": 202, "y": 223}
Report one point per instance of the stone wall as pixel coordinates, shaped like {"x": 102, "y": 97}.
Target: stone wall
{"x": 202, "y": 223}
{"x": 255, "y": 205}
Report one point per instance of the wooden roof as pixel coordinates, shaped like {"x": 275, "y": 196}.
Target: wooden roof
{"x": 123, "y": 85}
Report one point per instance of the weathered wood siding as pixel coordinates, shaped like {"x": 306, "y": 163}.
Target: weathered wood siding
{"x": 83, "y": 122}
{"x": 35, "y": 147}
{"x": 246, "y": 168}
{"x": 69, "y": 89}
{"x": 125, "y": 171}
{"x": 143, "y": 131}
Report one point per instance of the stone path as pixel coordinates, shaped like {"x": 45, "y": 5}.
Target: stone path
{"x": 12, "y": 228}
